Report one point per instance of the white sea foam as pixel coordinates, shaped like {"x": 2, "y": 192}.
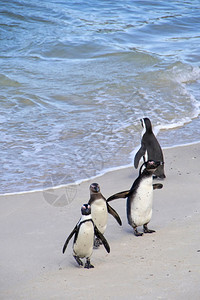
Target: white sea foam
{"x": 72, "y": 98}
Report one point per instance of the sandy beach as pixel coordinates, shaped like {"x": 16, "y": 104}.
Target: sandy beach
{"x": 162, "y": 265}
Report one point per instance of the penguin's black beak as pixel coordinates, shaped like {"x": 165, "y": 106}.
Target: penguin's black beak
{"x": 97, "y": 189}
{"x": 157, "y": 163}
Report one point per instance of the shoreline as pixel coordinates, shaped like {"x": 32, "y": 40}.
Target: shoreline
{"x": 163, "y": 265}
{"x": 102, "y": 173}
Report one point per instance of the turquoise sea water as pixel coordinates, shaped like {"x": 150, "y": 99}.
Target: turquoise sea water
{"x": 76, "y": 77}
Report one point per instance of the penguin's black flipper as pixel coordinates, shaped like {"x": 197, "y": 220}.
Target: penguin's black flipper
{"x": 139, "y": 154}
{"x": 69, "y": 238}
{"x": 102, "y": 238}
{"x": 157, "y": 186}
{"x": 123, "y": 194}
{"x": 114, "y": 214}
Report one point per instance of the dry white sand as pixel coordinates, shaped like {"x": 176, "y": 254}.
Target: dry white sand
{"x": 162, "y": 265}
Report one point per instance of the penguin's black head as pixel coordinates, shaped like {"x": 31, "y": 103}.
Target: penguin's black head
{"x": 146, "y": 124}
{"x": 94, "y": 188}
{"x": 86, "y": 209}
{"x": 151, "y": 166}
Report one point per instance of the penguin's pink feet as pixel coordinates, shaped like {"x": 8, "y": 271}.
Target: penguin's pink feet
{"x": 88, "y": 264}
{"x": 147, "y": 230}
{"x": 78, "y": 260}
{"x": 136, "y": 232}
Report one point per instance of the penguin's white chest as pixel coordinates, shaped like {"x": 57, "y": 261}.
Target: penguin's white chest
{"x": 141, "y": 209}
{"x": 83, "y": 246}
{"x": 99, "y": 214}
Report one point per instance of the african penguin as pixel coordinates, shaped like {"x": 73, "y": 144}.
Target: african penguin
{"x": 99, "y": 210}
{"x": 84, "y": 232}
{"x": 140, "y": 197}
{"x": 150, "y": 149}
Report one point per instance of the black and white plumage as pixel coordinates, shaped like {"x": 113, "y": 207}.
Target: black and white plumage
{"x": 84, "y": 232}
{"x": 140, "y": 198}
{"x": 100, "y": 209}
{"x": 150, "y": 149}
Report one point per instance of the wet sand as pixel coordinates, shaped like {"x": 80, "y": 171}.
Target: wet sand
{"x": 162, "y": 265}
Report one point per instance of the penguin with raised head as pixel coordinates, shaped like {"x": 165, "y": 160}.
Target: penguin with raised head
{"x": 140, "y": 197}
{"x": 99, "y": 210}
{"x": 150, "y": 148}
{"x": 84, "y": 232}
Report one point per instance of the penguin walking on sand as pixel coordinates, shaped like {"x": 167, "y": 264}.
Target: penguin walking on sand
{"x": 140, "y": 197}
{"x": 151, "y": 148}
{"x": 84, "y": 232}
{"x": 99, "y": 211}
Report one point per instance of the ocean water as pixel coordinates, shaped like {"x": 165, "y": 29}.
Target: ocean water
{"x": 77, "y": 76}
